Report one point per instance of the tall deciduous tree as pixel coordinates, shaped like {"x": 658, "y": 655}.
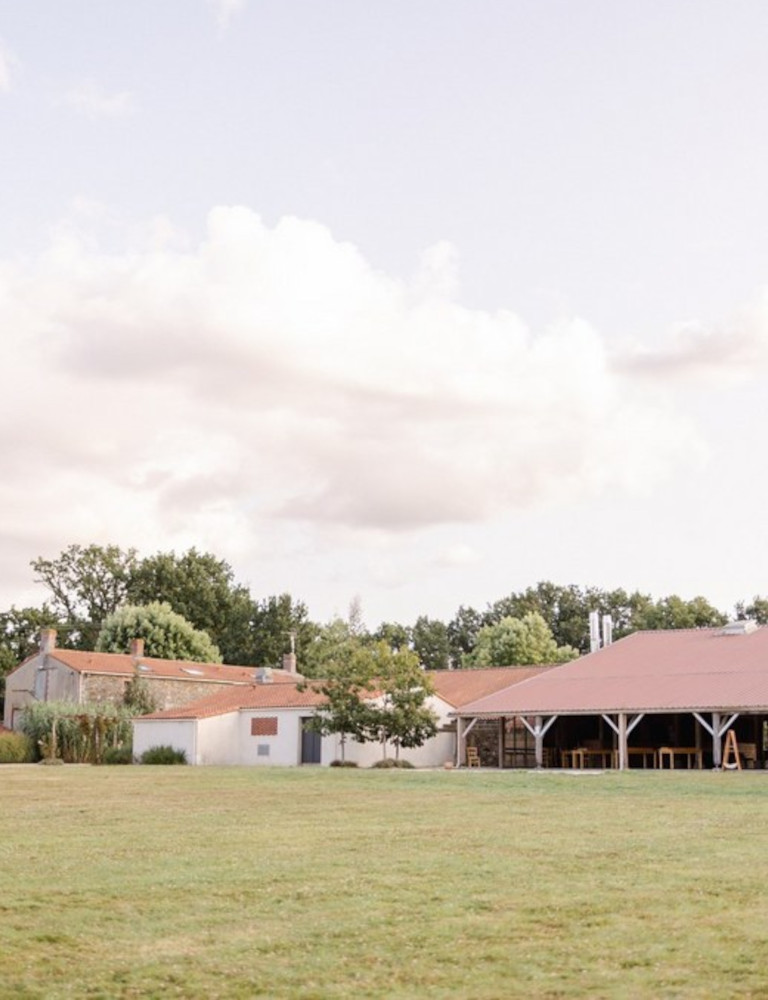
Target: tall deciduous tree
{"x": 431, "y": 643}
{"x": 20, "y": 638}
{"x": 86, "y": 583}
{"x": 277, "y": 623}
{"x": 514, "y": 641}
{"x": 673, "y": 612}
{"x": 757, "y": 610}
{"x": 166, "y": 635}
{"x": 463, "y": 630}
{"x": 202, "y": 589}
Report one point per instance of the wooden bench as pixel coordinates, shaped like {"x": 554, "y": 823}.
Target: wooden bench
{"x": 669, "y": 753}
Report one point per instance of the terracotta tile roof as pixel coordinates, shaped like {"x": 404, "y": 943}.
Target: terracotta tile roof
{"x": 458, "y": 687}
{"x": 671, "y": 671}
{"x": 124, "y": 665}
{"x": 235, "y": 699}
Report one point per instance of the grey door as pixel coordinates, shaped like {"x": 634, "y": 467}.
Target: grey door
{"x": 310, "y": 744}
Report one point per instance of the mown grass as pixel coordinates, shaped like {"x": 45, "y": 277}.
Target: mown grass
{"x": 308, "y": 883}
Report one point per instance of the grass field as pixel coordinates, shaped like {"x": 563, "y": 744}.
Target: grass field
{"x": 306, "y": 883}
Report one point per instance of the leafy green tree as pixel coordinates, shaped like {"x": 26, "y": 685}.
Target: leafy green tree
{"x": 166, "y": 635}
{"x": 348, "y": 669}
{"x": 432, "y": 643}
{"x": 276, "y": 621}
{"x": 401, "y": 715}
{"x": 757, "y": 610}
{"x": 395, "y": 635}
{"x": 202, "y": 589}
{"x": 515, "y": 641}
{"x": 673, "y": 612}
{"x": 138, "y": 697}
{"x": 463, "y": 630}
{"x": 87, "y": 583}
{"x": 564, "y": 609}
{"x": 20, "y": 638}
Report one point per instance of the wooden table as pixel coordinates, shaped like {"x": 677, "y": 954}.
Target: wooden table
{"x": 581, "y": 757}
{"x": 645, "y": 753}
{"x": 690, "y": 754}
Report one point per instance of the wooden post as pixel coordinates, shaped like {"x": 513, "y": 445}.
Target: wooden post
{"x": 501, "y": 742}
{"x": 459, "y": 728}
{"x": 538, "y": 737}
{"x": 717, "y": 757}
{"x": 622, "y": 741}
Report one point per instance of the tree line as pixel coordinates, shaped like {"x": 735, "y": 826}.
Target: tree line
{"x": 93, "y": 593}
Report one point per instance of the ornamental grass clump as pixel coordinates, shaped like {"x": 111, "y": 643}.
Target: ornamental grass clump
{"x": 73, "y": 733}
{"x": 15, "y": 748}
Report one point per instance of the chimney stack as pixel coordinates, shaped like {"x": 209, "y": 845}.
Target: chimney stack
{"x": 607, "y": 630}
{"x": 289, "y": 662}
{"x": 594, "y": 631}
{"x": 137, "y": 648}
{"x": 47, "y": 640}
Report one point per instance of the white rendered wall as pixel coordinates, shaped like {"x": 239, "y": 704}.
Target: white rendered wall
{"x": 217, "y": 739}
{"x": 177, "y": 733}
{"x": 282, "y": 749}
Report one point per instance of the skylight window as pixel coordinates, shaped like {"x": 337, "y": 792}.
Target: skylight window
{"x": 193, "y": 671}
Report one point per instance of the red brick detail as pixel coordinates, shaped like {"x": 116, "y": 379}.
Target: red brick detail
{"x": 264, "y": 727}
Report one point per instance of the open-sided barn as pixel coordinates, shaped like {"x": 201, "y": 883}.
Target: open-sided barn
{"x": 651, "y": 699}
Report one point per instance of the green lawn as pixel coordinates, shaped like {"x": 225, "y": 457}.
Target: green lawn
{"x": 230, "y": 882}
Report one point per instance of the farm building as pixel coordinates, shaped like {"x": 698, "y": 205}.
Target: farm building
{"x": 54, "y": 674}
{"x": 268, "y": 723}
{"x": 693, "y": 697}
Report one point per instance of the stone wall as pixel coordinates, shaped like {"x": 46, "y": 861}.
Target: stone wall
{"x": 168, "y": 692}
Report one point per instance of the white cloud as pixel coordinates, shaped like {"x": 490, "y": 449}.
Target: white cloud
{"x": 226, "y": 10}
{"x": 695, "y": 352}
{"x": 216, "y": 395}
{"x": 8, "y": 65}
{"x": 90, "y": 99}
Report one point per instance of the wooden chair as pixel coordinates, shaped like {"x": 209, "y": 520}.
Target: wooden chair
{"x": 473, "y": 757}
{"x": 748, "y": 753}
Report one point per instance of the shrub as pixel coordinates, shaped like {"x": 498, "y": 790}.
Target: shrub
{"x": 15, "y": 748}
{"x": 117, "y": 755}
{"x": 343, "y": 763}
{"x": 391, "y": 762}
{"x": 163, "y": 755}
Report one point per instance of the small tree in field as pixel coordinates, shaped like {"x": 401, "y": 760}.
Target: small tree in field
{"x": 402, "y": 716}
{"x": 348, "y": 677}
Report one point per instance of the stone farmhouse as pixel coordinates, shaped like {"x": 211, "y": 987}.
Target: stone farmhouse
{"x": 54, "y": 674}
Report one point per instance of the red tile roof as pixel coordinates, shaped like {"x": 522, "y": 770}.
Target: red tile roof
{"x": 671, "y": 671}
{"x": 453, "y": 686}
{"x": 124, "y": 665}
{"x": 458, "y": 687}
{"x": 235, "y": 699}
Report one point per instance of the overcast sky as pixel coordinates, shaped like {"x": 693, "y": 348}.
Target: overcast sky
{"x": 416, "y": 301}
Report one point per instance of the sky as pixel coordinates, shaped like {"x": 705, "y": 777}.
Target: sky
{"x": 413, "y": 303}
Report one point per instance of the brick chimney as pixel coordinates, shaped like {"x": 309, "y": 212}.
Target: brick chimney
{"x": 137, "y": 648}
{"x": 47, "y": 640}
{"x": 289, "y": 662}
